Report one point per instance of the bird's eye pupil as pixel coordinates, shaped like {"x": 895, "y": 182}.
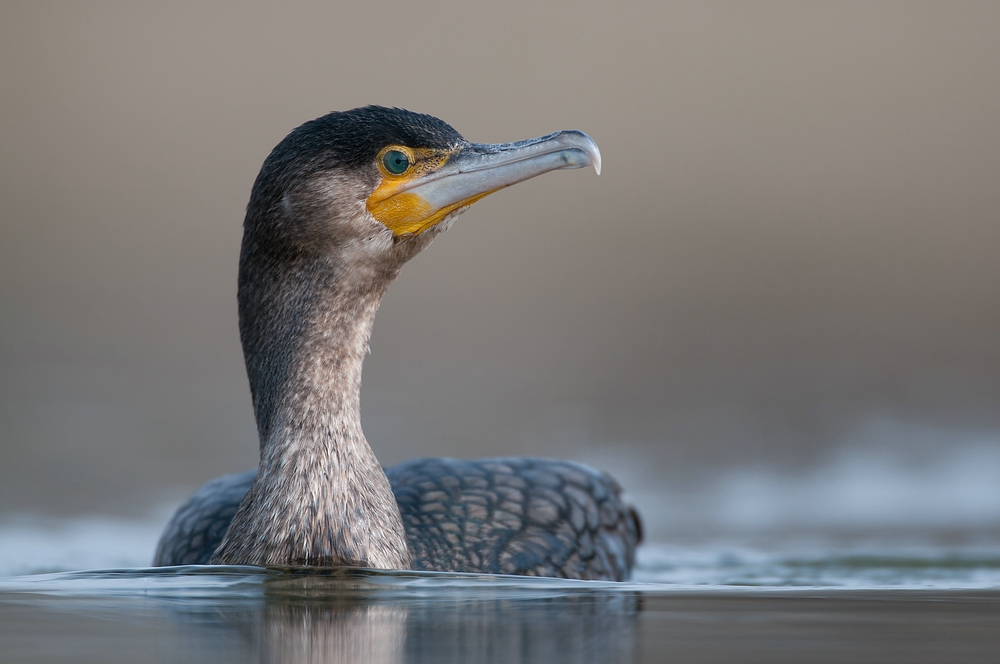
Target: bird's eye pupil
{"x": 395, "y": 162}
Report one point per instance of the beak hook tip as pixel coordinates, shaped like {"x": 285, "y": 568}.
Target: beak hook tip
{"x": 595, "y": 155}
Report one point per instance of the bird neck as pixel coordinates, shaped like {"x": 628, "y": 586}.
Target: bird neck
{"x": 321, "y": 496}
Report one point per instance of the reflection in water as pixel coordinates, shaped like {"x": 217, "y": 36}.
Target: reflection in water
{"x": 347, "y": 616}
{"x": 583, "y": 628}
{"x": 242, "y": 614}
{"x": 323, "y": 619}
{"x": 329, "y": 632}
{"x": 575, "y": 629}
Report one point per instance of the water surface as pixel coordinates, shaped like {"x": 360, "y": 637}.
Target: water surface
{"x": 698, "y": 604}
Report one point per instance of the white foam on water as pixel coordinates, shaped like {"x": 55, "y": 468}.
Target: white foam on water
{"x": 930, "y": 481}
{"x": 869, "y": 489}
{"x": 31, "y": 544}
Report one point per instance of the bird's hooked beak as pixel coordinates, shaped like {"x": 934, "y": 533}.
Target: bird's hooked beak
{"x": 432, "y": 184}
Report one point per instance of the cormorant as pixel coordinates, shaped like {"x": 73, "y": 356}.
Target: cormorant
{"x": 337, "y": 209}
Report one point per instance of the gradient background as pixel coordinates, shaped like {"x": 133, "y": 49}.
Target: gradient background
{"x": 784, "y": 288}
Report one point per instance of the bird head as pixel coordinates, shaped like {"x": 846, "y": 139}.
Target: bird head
{"x": 373, "y": 185}
{"x": 339, "y": 206}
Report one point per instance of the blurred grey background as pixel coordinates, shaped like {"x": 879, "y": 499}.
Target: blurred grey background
{"x": 792, "y": 251}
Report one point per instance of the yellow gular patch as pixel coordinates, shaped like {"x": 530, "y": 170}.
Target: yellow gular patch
{"x": 410, "y": 214}
{"x": 402, "y": 212}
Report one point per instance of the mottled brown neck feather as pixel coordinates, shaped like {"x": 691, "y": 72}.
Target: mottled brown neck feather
{"x": 311, "y": 280}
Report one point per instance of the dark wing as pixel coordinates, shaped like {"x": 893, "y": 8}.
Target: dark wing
{"x": 197, "y": 527}
{"x": 536, "y": 517}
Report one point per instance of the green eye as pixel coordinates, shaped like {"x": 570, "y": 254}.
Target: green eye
{"x": 395, "y": 162}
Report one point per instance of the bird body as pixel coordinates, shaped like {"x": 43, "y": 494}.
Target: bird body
{"x": 338, "y": 208}
{"x": 539, "y": 517}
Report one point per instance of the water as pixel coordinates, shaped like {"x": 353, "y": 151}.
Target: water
{"x": 852, "y": 561}
{"x": 711, "y": 602}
